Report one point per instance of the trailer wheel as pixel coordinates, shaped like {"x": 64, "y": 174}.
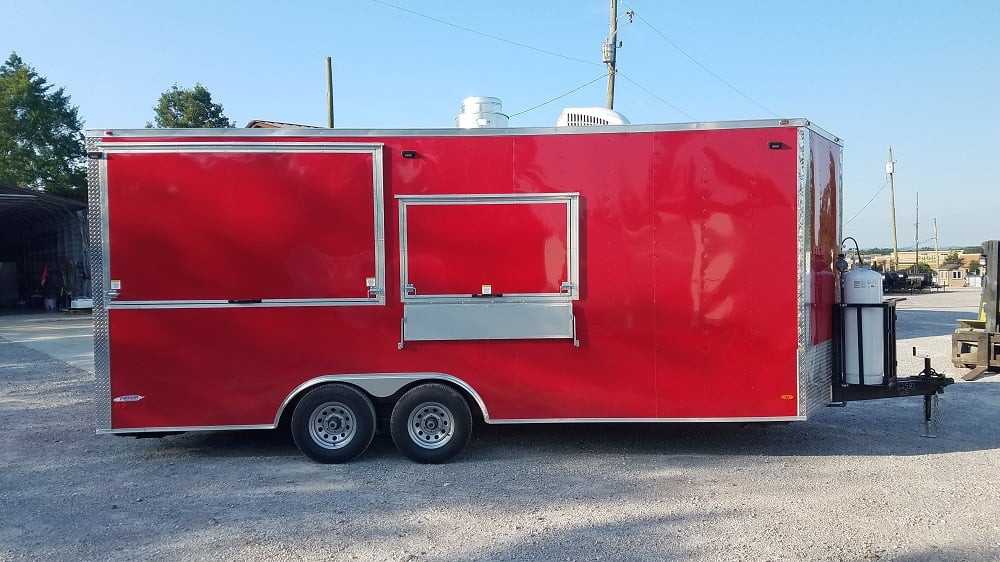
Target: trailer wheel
{"x": 333, "y": 423}
{"x": 431, "y": 423}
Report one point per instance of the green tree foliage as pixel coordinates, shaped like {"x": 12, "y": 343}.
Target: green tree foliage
{"x": 953, "y": 258}
{"x": 41, "y": 144}
{"x": 189, "y": 108}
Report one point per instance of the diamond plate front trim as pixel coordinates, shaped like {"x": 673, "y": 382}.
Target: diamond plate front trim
{"x": 803, "y": 235}
{"x": 102, "y": 334}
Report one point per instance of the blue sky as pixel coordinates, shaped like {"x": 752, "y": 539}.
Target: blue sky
{"x": 920, "y": 76}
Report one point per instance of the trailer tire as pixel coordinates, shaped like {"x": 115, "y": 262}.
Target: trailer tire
{"x": 431, "y": 423}
{"x": 333, "y": 423}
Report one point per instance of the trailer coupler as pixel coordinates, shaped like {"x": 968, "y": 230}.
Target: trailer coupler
{"x": 926, "y": 383}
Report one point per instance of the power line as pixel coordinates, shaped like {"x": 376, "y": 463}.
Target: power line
{"x": 524, "y": 46}
{"x": 559, "y": 96}
{"x": 868, "y": 203}
{"x": 703, "y": 67}
{"x": 637, "y": 85}
{"x": 463, "y": 28}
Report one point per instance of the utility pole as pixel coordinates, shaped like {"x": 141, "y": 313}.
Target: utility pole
{"x": 892, "y": 206}
{"x": 916, "y": 238}
{"x": 610, "y": 50}
{"x": 329, "y": 92}
{"x": 937, "y": 254}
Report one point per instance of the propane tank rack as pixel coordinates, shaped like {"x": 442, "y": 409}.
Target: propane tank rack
{"x": 848, "y": 322}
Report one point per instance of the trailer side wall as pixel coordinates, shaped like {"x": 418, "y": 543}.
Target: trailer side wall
{"x": 689, "y": 305}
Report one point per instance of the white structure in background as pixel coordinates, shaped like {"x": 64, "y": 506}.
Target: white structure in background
{"x": 590, "y": 117}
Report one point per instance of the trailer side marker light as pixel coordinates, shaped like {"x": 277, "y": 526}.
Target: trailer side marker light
{"x": 409, "y": 154}
{"x": 788, "y": 397}
{"x": 783, "y": 122}
{"x": 776, "y": 145}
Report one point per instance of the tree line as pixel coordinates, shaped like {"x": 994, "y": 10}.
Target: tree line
{"x": 41, "y": 133}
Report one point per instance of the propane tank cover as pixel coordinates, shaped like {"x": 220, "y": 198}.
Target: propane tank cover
{"x": 864, "y": 286}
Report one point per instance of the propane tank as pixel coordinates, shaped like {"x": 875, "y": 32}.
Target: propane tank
{"x": 864, "y": 286}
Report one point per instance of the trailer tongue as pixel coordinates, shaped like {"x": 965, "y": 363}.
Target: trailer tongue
{"x": 342, "y": 282}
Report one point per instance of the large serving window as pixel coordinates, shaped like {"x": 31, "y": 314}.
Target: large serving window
{"x": 195, "y": 224}
{"x": 489, "y": 266}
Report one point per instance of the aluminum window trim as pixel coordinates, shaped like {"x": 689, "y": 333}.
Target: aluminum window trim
{"x": 375, "y": 149}
{"x": 157, "y": 147}
{"x": 570, "y": 199}
{"x": 264, "y": 303}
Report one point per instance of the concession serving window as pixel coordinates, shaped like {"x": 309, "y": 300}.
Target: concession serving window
{"x": 485, "y": 266}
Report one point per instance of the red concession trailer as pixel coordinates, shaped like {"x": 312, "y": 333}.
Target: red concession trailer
{"x": 343, "y": 281}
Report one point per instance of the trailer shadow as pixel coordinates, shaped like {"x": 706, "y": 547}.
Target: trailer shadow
{"x": 969, "y": 421}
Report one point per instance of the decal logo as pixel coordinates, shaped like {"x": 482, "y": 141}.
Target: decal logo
{"x": 129, "y": 398}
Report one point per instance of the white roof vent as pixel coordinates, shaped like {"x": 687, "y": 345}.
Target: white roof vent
{"x": 480, "y": 112}
{"x": 590, "y": 117}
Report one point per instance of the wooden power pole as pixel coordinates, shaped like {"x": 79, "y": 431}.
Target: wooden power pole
{"x": 937, "y": 254}
{"x": 329, "y": 92}
{"x": 610, "y": 51}
{"x": 916, "y": 239}
{"x": 892, "y": 206}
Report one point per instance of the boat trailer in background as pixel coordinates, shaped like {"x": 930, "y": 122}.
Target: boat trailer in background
{"x": 976, "y": 343}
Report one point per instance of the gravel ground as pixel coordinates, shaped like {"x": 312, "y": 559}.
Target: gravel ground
{"x": 854, "y": 483}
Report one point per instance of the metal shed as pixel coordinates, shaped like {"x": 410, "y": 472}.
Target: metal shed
{"x": 43, "y": 250}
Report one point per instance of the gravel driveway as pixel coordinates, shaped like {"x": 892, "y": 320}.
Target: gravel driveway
{"x": 854, "y": 483}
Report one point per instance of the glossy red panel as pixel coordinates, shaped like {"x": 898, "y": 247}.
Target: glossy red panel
{"x": 234, "y": 366}
{"x": 689, "y": 247}
{"x": 235, "y": 225}
{"x": 515, "y": 248}
{"x": 726, "y": 281}
{"x": 825, "y": 242}
{"x": 452, "y": 164}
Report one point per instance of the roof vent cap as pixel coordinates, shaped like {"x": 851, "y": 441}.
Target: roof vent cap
{"x": 481, "y": 112}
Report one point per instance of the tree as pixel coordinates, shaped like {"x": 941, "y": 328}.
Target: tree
{"x": 189, "y": 108}
{"x": 953, "y": 258}
{"x": 41, "y": 144}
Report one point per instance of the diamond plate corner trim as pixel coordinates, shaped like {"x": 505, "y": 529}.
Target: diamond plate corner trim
{"x": 815, "y": 372}
{"x": 96, "y": 199}
{"x": 804, "y": 210}
{"x": 819, "y": 383}
{"x": 815, "y": 362}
